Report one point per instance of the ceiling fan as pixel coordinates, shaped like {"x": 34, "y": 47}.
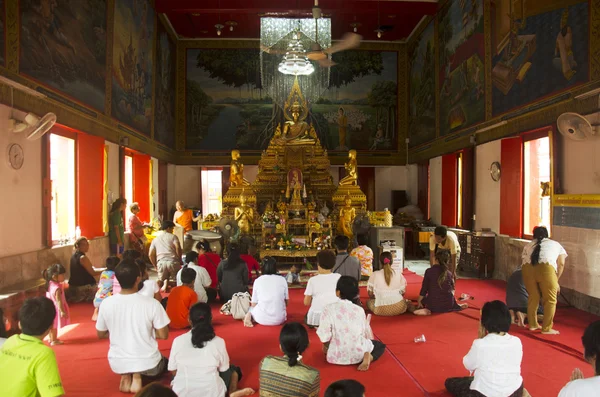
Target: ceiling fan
{"x": 320, "y": 55}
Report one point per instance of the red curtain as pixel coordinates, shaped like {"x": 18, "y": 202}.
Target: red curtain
{"x": 141, "y": 185}
{"x": 511, "y": 186}
{"x": 90, "y": 176}
{"x": 449, "y": 190}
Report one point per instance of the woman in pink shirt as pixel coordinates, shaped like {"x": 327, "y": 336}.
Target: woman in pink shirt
{"x": 137, "y": 239}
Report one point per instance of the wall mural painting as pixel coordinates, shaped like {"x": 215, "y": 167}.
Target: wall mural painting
{"x": 63, "y": 45}
{"x": 421, "y": 125}
{"x": 132, "y": 64}
{"x": 164, "y": 113}
{"x": 227, "y": 108}
{"x": 537, "y": 53}
{"x": 462, "y": 59}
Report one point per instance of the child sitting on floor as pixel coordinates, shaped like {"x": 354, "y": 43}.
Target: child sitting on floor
{"x": 133, "y": 322}
{"x": 320, "y": 290}
{"x": 55, "y": 277}
{"x": 494, "y": 359}
{"x": 203, "y": 279}
{"x": 199, "y": 361}
{"x": 105, "y": 284}
{"x": 181, "y": 299}
{"x": 293, "y": 276}
{"x": 38, "y": 374}
{"x": 147, "y": 287}
{"x": 345, "y": 388}
{"x": 344, "y": 329}
{"x": 437, "y": 289}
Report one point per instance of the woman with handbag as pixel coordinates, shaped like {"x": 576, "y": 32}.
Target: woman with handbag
{"x": 232, "y": 274}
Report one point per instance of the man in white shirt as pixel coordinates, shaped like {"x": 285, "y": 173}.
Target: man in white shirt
{"x": 133, "y": 322}
{"x": 320, "y": 290}
{"x": 165, "y": 254}
{"x": 443, "y": 239}
{"x": 203, "y": 279}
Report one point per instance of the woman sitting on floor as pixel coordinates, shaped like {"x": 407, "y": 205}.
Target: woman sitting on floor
{"x": 345, "y": 331}
{"x": 232, "y": 274}
{"x": 287, "y": 376}
{"x": 578, "y": 386}
{"x": 269, "y": 297}
{"x": 494, "y": 358}
{"x": 199, "y": 361}
{"x": 437, "y": 290}
{"x": 385, "y": 288}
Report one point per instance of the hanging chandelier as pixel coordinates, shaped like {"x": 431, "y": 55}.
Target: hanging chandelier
{"x": 294, "y": 61}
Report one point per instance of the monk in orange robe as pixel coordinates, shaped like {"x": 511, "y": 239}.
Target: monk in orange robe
{"x": 184, "y": 216}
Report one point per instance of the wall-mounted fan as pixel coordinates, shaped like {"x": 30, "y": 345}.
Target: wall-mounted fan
{"x": 576, "y": 127}
{"x": 32, "y": 125}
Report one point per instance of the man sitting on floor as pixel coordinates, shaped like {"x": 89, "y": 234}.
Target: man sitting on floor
{"x": 131, "y": 321}
{"x": 27, "y": 366}
{"x": 345, "y": 264}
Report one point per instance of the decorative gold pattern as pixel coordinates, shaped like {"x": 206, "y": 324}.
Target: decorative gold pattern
{"x": 12, "y": 35}
{"x": 304, "y": 253}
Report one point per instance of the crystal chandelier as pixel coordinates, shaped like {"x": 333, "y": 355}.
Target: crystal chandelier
{"x": 294, "y": 61}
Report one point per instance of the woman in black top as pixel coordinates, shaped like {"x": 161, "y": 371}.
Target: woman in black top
{"x": 83, "y": 281}
{"x": 232, "y": 274}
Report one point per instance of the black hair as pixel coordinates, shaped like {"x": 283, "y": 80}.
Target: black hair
{"x": 443, "y": 258}
{"x": 233, "y": 256}
{"x": 131, "y": 254}
{"x": 591, "y": 344}
{"x": 341, "y": 242}
{"x": 203, "y": 245}
{"x": 269, "y": 265}
{"x": 539, "y": 234}
{"x": 188, "y": 275}
{"x": 51, "y": 271}
{"x": 191, "y": 257}
{"x": 348, "y": 288}
{"x": 79, "y": 241}
{"x": 112, "y": 262}
{"x": 293, "y": 340}
{"x": 156, "y": 389}
{"x": 37, "y": 315}
{"x": 362, "y": 239}
{"x": 441, "y": 231}
{"x": 143, "y": 272}
{"x": 345, "y": 388}
{"x": 116, "y": 206}
{"x": 201, "y": 322}
{"x": 495, "y": 317}
{"x": 127, "y": 273}
{"x": 167, "y": 225}
{"x": 326, "y": 259}
{"x": 3, "y": 333}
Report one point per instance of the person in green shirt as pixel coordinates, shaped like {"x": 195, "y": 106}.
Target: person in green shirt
{"x": 28, "y": 367}
{"x": 116, "y": 227}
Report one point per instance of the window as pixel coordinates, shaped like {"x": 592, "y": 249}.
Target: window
{"x": 62, "y": 174}
{"x": 128, "y": 183}
{"x": 536, "y": 170}
{"x": 211, "y": 191}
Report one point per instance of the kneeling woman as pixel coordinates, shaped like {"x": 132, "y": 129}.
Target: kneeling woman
{"x": 437, "y": 290}
{"x": 269, "y": 297}
{"x": 386, "y": 286}
{"x": 287, "y": 376}
{"x": 199, "y": 361}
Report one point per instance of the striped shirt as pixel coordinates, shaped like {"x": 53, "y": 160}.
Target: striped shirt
{"x": 278, "y": 379}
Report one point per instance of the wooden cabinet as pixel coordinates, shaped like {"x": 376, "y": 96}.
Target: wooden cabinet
{"x": 477, "y": 254}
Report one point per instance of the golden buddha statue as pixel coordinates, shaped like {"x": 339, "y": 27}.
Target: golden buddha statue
{"x": 236, "y": 175}
{"x": 295, "y": 186}
{"x": 347, "y": 215}
{"x": 351, "y": 178}
{"x": 295, "y": 131}
{"x": 244, "y": 215}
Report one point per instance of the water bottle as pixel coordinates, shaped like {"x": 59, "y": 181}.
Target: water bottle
{"x": 77, "y": 232}
{"x": 420, "y": 339}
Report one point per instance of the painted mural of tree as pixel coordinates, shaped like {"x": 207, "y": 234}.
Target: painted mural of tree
{"x": 234, "y": 68}
{"x": 196, "y": 101}
{"x": 383, "y": 97}
{"x": 354, "y": 64}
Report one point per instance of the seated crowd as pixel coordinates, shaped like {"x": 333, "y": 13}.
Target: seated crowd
{"x": 131, "y": 312}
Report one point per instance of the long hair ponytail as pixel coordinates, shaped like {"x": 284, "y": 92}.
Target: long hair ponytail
{"x": 539, "y": 234}
{"x": 443, "y": 258}
{"x": 386, "y": 260}
{"x": 293, "y": 340}
{"x": 201, "y": 322}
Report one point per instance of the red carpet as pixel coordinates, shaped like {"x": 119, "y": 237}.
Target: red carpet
{"x": 407, "y": 369}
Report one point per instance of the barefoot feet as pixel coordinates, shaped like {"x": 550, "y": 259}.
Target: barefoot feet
{"x": 248, "y": 320}
{"x": 366, "y": 363}
{"x": 136, "y": 383}
{"x": 125, "y": 385}
{"x": 551, "y": 332}
{"x": 243, "y": 392}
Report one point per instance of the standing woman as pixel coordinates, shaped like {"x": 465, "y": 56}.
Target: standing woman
{"x": 116, "y": 228}
{"x": 543, "y": 264}
{"x": 83, "y": 277}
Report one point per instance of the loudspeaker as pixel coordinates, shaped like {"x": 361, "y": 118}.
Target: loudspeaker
{"x": 399, "y": 200}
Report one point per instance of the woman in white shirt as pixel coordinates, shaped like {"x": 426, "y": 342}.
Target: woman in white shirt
{"x": 320, "y": 290}
{"x": 199, "y": 361}
{"x": 543, "y": 264}
{"x": 385, "y": 288}
{"x": 203, "y": 279}
{"x": 269, "y": 297}
{"x": 494, "y": 359}
{"x": 579, "y": 386}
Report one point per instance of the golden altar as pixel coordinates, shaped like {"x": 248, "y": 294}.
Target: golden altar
{"x": 293, "y": 193}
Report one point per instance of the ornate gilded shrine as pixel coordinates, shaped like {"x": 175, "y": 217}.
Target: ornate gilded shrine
{"x": 294, "y": 193}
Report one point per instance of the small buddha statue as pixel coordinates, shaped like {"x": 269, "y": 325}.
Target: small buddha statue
{"x": 295, "y": 186}
{"x": 347, "y": 215}
{"x": 244, "y": 215}
{"x": 236, "y": 175}
{"x": 351, "y": 178}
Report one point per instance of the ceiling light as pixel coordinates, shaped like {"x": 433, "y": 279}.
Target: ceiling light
{"x": 294, "y": 61}
{"x": 231, "y": 25}
{"x": 379, "y": 33}
{"x": 219, "y": 28}
{"x": 355, "y": 26}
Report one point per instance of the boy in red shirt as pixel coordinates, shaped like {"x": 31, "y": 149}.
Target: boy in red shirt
{"x": 181, "y": 299}
{"x": 251, "y": 263}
